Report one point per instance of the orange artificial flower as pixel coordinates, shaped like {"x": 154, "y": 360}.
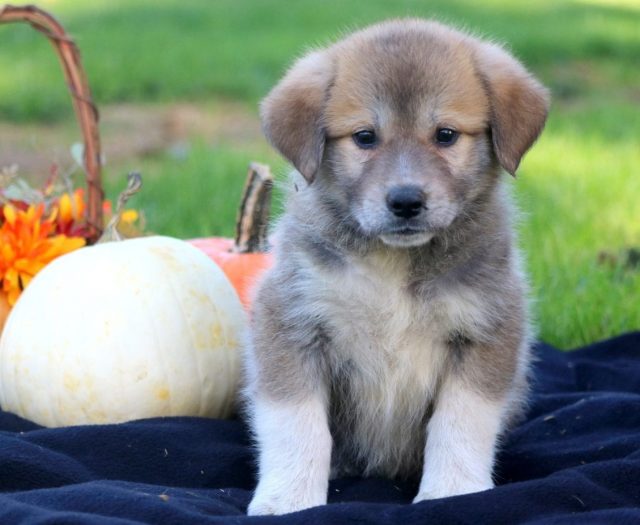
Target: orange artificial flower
{"x": 71, "y": 207}
{"x": 71, "y": 214}
{"x": 26, "y": 247}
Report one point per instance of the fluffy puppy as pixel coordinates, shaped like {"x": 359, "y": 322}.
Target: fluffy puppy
{"x": 391, "y": 336}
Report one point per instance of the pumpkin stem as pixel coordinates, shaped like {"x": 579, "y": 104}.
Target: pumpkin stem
{"x": 111, "y": 233}
{"x": 255, "y": 207}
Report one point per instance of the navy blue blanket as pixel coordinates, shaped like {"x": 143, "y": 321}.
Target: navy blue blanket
{"x": 576, "y": 459}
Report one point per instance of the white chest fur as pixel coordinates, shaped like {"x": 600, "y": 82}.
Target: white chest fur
{"x": 392, "y": 346}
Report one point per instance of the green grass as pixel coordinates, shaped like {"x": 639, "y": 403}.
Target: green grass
{"x": 580, "y": 191}
{"x": 196, "y": 195}
{"x": 161, "y": 50}
{"x": 579, "y": 187}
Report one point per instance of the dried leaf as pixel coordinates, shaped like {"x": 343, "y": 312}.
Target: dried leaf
{"x": 77, "y": 153}
{"x": 20, "y": 191}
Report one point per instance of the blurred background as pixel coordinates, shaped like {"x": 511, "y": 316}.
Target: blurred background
{"x": 177, "y": 83}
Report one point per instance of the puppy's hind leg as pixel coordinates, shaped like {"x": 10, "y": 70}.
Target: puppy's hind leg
{"x": 295, "y": 454}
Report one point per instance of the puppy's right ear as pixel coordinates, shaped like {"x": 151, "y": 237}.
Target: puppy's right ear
{"x": 292, "y": 114}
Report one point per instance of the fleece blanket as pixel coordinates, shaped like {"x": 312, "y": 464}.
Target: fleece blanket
{"x": 575, "y": 459}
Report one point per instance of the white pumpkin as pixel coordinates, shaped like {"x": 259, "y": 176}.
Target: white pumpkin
{"x": 124, "y": 330}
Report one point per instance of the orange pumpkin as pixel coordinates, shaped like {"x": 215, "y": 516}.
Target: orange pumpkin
{"x": 242, "y": 269}
{"x": 4, "y": 310}
{"x": 243, "y": 259}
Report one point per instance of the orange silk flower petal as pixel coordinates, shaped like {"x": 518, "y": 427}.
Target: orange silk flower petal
{"x": 26, "y": 247}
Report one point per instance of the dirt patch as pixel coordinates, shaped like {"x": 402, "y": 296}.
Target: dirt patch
{"x": 127, "y": 132}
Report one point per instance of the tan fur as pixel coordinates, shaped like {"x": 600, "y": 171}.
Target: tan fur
{"x": 400, "y": 336}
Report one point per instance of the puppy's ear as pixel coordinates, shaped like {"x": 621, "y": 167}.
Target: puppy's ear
{"x": 519, "y": 104}
{"x": 292, "y": 114}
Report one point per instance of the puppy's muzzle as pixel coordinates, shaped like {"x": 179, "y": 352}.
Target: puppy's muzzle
{"x": 406, "y": 201}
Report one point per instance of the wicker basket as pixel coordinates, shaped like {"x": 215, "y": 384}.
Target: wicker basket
{"x": 85, "y": 110}
{"x": 253, "y": 213}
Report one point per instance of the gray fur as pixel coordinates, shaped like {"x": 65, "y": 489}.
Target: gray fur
{"x": 325, "y": 316}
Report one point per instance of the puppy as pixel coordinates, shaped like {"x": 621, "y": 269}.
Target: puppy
{"x": 391, "y": 336}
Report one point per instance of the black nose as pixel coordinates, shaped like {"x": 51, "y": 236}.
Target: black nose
{"x": 405, "y": 201}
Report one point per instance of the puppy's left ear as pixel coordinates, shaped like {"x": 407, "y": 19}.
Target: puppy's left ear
{"x": 519, "y": 104}
{"x": 292, "y": 114}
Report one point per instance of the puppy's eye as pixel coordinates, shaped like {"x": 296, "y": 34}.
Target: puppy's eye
{"x": 446, "y": 136}
{"x": 365, "y": 139}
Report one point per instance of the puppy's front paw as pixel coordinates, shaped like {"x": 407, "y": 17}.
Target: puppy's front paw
{"x": 450, "y": 487}
{"x": 261, "y": 508}
{"x": 266, "y": 502}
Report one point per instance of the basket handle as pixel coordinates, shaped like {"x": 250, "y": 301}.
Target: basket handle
{"x": 85, "y": 110}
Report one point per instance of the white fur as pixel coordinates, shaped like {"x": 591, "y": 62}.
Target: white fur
{"x": 461, "y": 443}
{"x": 464, "y": 309}
{"x": 395, "y": 343}
{"x": 378, "y": 327}
{"x": 295, "y": 457}
{"x": 406, "y": 240}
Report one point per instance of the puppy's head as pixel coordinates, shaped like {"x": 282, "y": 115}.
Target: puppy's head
{"x": 404, "y": 124}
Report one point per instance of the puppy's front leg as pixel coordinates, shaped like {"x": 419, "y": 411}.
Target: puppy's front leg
{"x": 461, "y": 442}
{"x": 295, "y": 454}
